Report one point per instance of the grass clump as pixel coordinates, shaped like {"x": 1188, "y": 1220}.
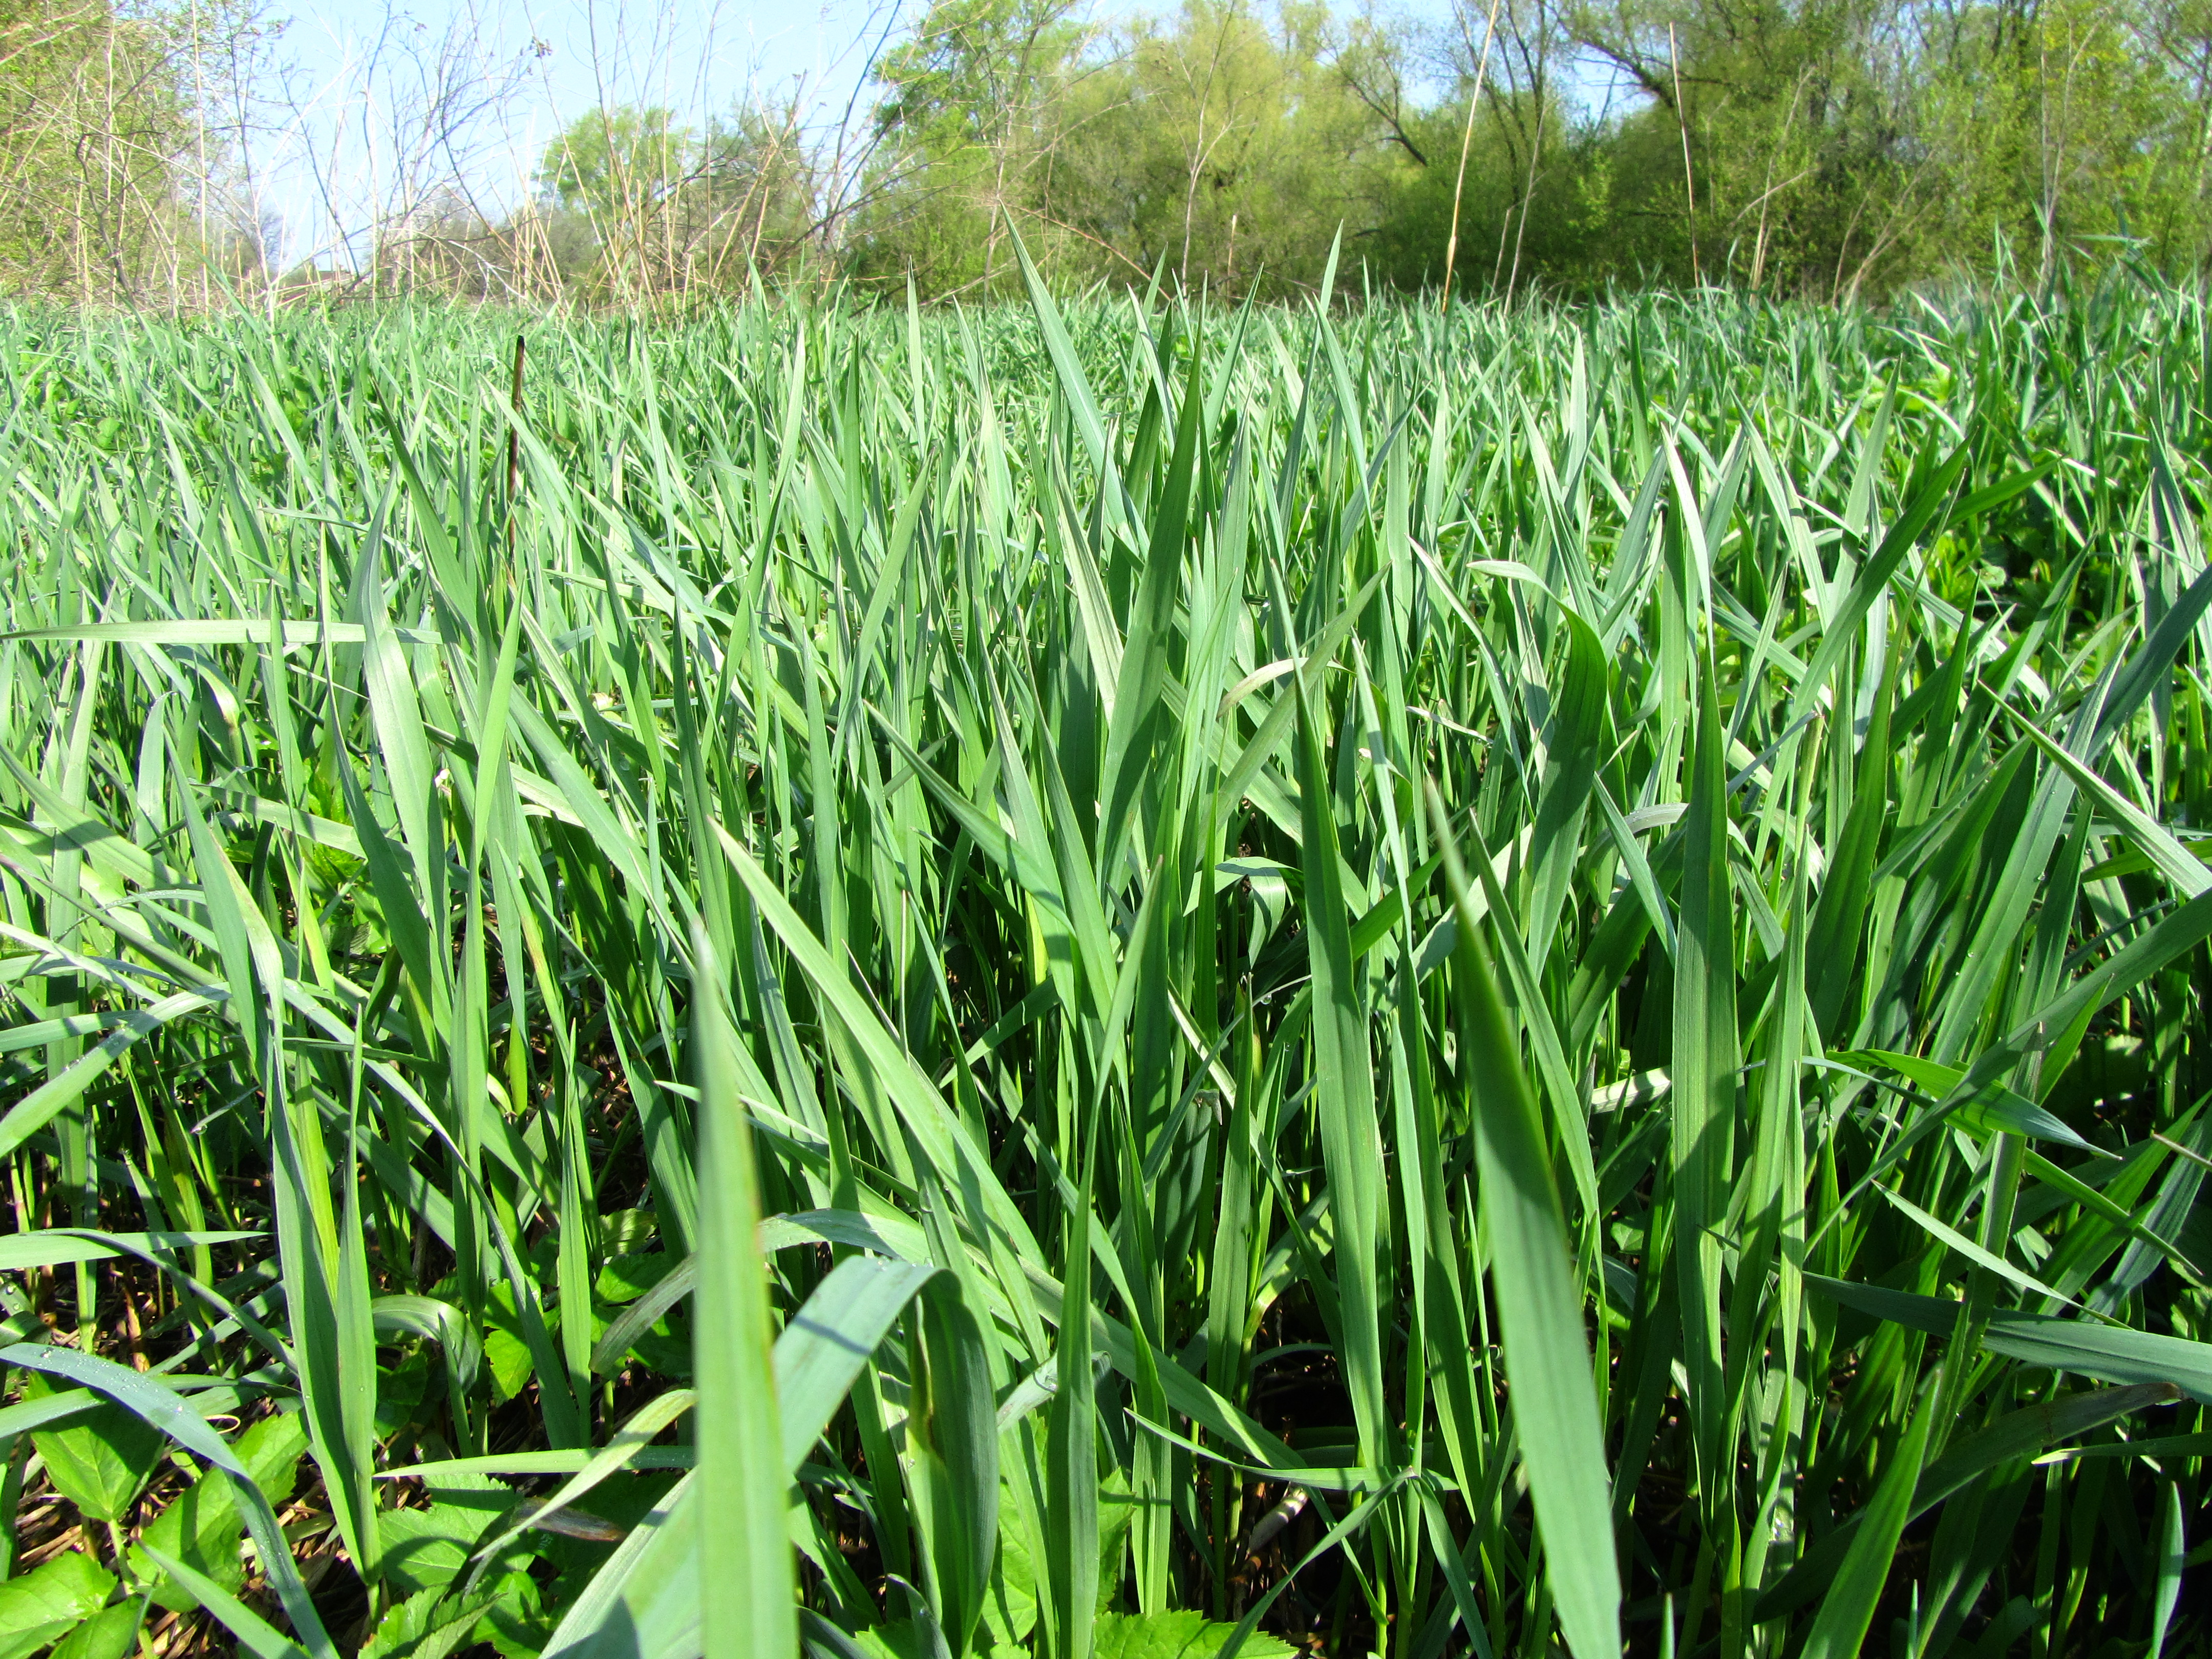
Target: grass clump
{"x": 1188, "y": 981}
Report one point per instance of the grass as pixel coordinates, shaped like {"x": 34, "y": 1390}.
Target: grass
{"x": 1159, "y": 980}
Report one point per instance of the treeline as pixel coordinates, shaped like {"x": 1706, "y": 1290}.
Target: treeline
{"x": 116, "y": 137}
{"x": 1818, "y": 148}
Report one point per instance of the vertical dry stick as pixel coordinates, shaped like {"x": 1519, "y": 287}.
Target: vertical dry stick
{"x": 1758, "y": 248}
{"x": 1689, "y": 180}
{"x": 1535, "y": 154}
{"x": 1527, "y": 200}
{"x": 1466, "y": 140}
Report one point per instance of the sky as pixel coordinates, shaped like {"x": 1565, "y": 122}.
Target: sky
{"x": 360, "y": 77}
{"x": 673, "y": 48}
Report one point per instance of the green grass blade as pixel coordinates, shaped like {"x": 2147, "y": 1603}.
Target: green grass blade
{"x": 1539, "y": 1311}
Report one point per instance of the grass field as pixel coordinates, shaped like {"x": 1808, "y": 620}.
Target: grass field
{"x": 1112, "y": 980}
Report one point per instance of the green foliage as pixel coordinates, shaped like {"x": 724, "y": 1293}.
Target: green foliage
{"x": 1818, "y": 149}
{"x": 605, "y": 158}
{"x": 49, "y": 1601}
{"x": 108, "y": 1634}
{"x": 1175, "y": 1636}
{"x": 100, "y": 1460}
{"x": 1821, "y": 150}
{"x": 202, "y": 1527}
{"x": 94, "y": 109}
{"x": 1110, "y": 980}
{"x": 632, "y": 202}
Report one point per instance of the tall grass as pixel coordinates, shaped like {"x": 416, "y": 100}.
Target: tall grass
{"x": 1126, "y": 981}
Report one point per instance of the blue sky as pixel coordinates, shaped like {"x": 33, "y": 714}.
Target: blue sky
{"x": 354, "y": 65}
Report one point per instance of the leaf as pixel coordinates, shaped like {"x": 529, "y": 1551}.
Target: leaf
{"x": 158, "y": 1406}
{"x": 432, "y": 1624}
{"x": 1067, "y": 366}
{"x": 2108, "y": 1352}
{"x": 425, "y": 1549}
{"x": 952, "y": 1437}
{"x": 2173, "y": 1546}
{"x": 1350, "y": 1138}
{"x": 1547, "y": 1361}
{"x": 822, "y": 1349}
{"x": 403, "y": 1624}
{"x": 201, "y": 1525}
{"x": 48, "y": 1602}
{"x": 505, "y": 1349}
{"x": 108, "y": 1634}
{"x": 1706, "y": 1057}
{"x": 101, "y": 1460}
{"x": 1996, "y": 1109}
{"x": 58, "y": 1246}
{"x": 745, "y": 1570}
{"x": 1966, "y": 1246}
{"x": 1010, "y": 1609}
{"x": 36, "y": 1410}
{"x": 1177, "y": 1636}
{"x": 1839, "y": 919}
{"x": 1129, "y": 738}
{"x": 1849, "y": 1608}
{"x": 1070, "y": 1599}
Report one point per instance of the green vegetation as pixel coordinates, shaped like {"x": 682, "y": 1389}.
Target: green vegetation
{"x": 1816, "y": 149}
{"x": 1148, "y": 976}
{"x": 165, "y": 153}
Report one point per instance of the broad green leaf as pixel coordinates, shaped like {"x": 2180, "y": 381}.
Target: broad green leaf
{"x": 160, "y": 1409}
{"x": 101, "y": 1460}
{"x": 1176, "y": 1636}
{"x": 46, "y": 1603}
{"x": 108, "y": 1634}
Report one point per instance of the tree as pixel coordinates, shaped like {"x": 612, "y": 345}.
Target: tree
{"x": 1232, "y": 144}
{"x": 974, "y": 104}
{"x": 636, "y": 203}
{"x": 94, "y": 129}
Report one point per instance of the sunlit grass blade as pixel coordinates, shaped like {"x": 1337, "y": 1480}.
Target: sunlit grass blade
{"x": 1539, "y": 1309}
{"x": 745, "y": 1572}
